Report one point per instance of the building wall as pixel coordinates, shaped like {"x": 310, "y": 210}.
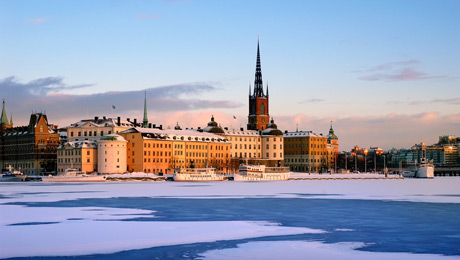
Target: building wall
{"x": 31, "y": 149}
{"x": 305, "y": 152}
{"x": 80, "y": 158}
{"x": 112, "y": 156}
{"x": 272, "y": 149}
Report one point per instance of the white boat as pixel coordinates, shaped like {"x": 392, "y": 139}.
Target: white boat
{"x": 425, "y": 169}
{"x": 74, "y": 175}
{"x": 261, "y": 173}
{"x": 12, "y": 176}
{"x": 197, "y": 174}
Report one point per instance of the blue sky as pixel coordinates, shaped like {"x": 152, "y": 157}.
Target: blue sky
{"x": 386, "y": 72}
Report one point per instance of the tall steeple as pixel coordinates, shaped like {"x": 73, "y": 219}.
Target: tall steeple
{"x": 258, "y": 84}
{"x": 145, "y": 122}
{"x": 258, "y": 117}
{"x": 4, "y": 118}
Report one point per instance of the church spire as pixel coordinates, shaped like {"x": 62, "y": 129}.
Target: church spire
{"x": 145, "y": 122}
{"x": 4, "y": 118}
{"x": 258, "y": 85}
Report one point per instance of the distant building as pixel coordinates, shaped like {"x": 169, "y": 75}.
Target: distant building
{"x": 4, "y": 125}
{"x": 305, "y": 151}
{"x": 258, "y": 101}
{"x": 332, "y": 149}
{"x": 32, "y": 148}
{"x": 112, "y": 154}
{"x": 162, "y": 151}
{"x": 252, "y": 146}
{"x": 80, "y": 155}
{"x": 94, "y": 129}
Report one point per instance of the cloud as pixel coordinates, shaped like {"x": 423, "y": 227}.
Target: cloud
{"x": 147, "y": 16}
{"x": 446, "y": 101}
{"x": 396, "y": 71}
{"x": 37, "y": 20}
{"x": 37, "y": 87}
{"x": 313, "y": 100}
{"x": 46, "y": 94}
{"x": 449, "y": 101}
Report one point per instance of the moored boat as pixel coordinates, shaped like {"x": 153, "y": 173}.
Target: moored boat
{"x": 197, "y": 174}
{"x": 261, "y": 173}
{"x": 12, "y": 175}
{"x": 74, "y": 175}
{"x": 425, "y": 169}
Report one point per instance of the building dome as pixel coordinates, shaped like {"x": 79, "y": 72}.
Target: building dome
{"x": 213, "y": 127}
{"x": 177, "y": 127}
{"x": 331, "y": 135}
{"x": 272, "y": 129}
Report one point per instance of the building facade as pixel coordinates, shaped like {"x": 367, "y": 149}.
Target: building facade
{"x": 79, "y": 155}
{"x": 94, "y": 129}
{"x": 163, "y": 151}
{"x": 305, "y": 151}
{"x": 332, "y": 150}
{"x": 31, "y": 149}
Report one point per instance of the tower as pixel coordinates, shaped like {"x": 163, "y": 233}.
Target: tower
{"x": 258, "y": 101}
{"x": 145, "y": 121}
{"x": 5, "y": 124}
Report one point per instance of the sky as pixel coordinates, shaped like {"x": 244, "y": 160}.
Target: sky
{"x": 385, "y": 72}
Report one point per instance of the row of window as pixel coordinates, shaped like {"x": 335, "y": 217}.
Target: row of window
{"x": 90, "y": 133}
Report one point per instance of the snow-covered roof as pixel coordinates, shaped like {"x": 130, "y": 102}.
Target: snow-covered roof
{"x": 241, "y": 132}
{"x": 169, "y": 134}
{"x": 78, "y": 145}
{"x": 302, "y": 134}
{"x": 101, "y": 122}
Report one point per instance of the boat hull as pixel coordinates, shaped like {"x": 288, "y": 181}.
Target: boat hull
{"x": 425, "y": 172}
{"x": 98, "y": 178}
{"x": 196, "y": 178}
{"x": 282, "y": 176}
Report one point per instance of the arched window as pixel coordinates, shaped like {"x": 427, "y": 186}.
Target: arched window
{"x": 262, "y": 108}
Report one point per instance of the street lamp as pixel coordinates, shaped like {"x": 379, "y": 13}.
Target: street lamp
{"x": 365, "y": 161}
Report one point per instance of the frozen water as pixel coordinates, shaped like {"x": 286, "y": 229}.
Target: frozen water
{"x": 360, "y": 218}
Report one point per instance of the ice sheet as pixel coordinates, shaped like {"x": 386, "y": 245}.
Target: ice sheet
{"x": 300, "y": 250}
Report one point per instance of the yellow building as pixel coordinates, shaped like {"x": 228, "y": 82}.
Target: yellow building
{"x": 162, "y": 151}
{"x": 80, "y": 155}
{"x": 305, "y": 151}
{"x": 93, "y": 129}
{"x": 252, "y": 146}
{"x": 332, "y": 149}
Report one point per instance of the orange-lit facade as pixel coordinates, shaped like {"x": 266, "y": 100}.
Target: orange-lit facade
{"x": 162, "y": 151}
{"x": 305, "y": 151}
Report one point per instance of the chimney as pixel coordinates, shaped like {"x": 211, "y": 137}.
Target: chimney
{"x": 96, "y": 118}
{"x": 104, "y": 117}
{"x": 199, "y": 128}
{"x": 118, "y": 121}
{"x": 135, "y": 121}
{"x": 285, "y": 131}
{"x": 161, "y": 127}
{"x": 226, "y": 128}
{"x": 241, "y": 129}
{"x": 154, "y": 125}
{"x": 150, "y": 125}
